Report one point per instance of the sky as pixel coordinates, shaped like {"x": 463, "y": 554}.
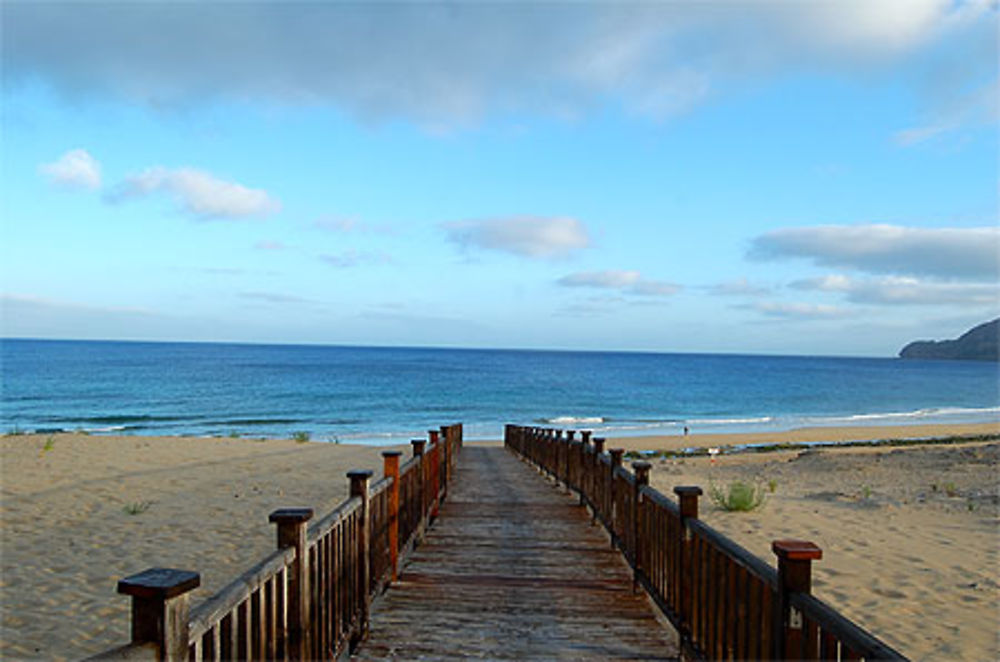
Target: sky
{"x": 733, "y": 177}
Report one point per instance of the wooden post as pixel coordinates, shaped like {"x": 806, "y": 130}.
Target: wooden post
{"x": 586, "y": 436}
{"x": 582, "y": 472}
{"x": 795, "y": 559}
{"x": 641, "y": 469}
{"x": 564, "y": 450}
{"x": 434, "y": 480}
{"x": 688, "y": 497}
{"x": 598, "y": 503}
{"x": 359, "y": 488}
{"x": 446, "y": 474}
{"x": 292, "y": 533}
{"x": 418, "y": 452}
{"x": 160, "y": 609}
{"x": 390, "y": 461}
{"x": 613, "y": 515}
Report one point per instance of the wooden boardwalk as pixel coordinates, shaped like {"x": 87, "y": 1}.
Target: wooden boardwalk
{"x": 513, "y": 569}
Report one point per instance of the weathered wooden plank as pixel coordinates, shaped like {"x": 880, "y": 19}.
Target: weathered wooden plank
{"x": 513, "y": 569}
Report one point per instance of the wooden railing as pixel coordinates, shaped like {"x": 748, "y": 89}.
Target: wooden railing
{"x": 310, "y": 598}
{"x": 725, "y": 603}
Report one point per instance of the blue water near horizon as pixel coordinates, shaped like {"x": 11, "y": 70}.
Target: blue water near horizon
{"x": 391, "y": 394}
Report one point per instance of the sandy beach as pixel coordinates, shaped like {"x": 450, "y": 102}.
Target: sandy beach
{"x": 909, "y": 534}
{"x": 67, "y": 538}
{"x": 914, "y": 560}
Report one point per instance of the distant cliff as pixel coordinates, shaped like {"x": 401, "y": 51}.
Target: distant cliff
{"x": 980, "y": 344}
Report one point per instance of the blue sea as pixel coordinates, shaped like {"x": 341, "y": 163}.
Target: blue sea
{"x": 387, "y": 395}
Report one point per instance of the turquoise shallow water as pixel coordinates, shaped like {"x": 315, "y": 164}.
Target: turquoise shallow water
{"x": 390, "y": 394}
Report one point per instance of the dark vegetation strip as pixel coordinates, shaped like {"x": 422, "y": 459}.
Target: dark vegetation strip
{"x": 809, "y": 445}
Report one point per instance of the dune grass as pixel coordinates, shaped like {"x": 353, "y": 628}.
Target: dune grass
{"x": 738, "y": 496}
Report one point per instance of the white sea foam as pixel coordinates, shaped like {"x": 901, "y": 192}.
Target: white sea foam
{"x": 575, "y": 420}
{"x": 931, "y": 413}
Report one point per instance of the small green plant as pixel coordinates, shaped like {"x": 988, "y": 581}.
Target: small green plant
{"x": 136, "y": 507}
{"x": 970, "y": 504}
{"x": 50, "y": 443}
{"x": 300, "y": 436}
{"x": 866, "y": 492}
{"x": 772, "y": 485}
{"x": 950, "y": 489}
{"x": 737, "y": 496}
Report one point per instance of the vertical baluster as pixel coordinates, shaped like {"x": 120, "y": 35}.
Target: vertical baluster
{"x": 359, "y": 488}
{"x": 641, "y": 469}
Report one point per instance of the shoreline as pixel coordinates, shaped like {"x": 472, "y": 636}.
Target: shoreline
{"x": 389, "y": 435}
{"x": 805, "y": 436}
{"x": 629, "y": 441}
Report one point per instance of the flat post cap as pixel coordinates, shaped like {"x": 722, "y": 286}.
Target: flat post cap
{"x": 796, "y": 550}
{"x": 684, "y": 490}
{"x": 355, "y": 474}
{"x": 162, "y": 583}
{"x": 291, "y": 515}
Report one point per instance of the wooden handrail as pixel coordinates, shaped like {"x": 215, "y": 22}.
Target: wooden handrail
{"x": 837, "y": 629}
{"x": 203, "y": 617}
{"x": 310, "y": 598}
{"x": 724, "y": 602}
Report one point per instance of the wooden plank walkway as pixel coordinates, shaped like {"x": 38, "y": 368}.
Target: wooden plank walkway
{"x": 513, "y": 569}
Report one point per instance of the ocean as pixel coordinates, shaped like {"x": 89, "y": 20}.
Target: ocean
{"x": 389, "y": 395}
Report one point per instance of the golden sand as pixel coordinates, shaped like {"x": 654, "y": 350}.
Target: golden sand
{"x": 911, "y": 563}
{"x": 67, "y": 538}
{"x": 910, "y": 535}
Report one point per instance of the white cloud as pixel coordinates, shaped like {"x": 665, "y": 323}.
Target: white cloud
{"x": 802, "y": 311}
{"x": 198, "y": 193}
{"x": 270, "y": 245}
{"x": 601, "y": 279}
{"x": 275, "y": 298}
{"x": 337, "y": 224}
{"x": 76, "y": 168}
{"x": 453, "y": 62}
{"x": 918, "y": 134}
{"x": 352, "y": 258}
{"x": 626, "y": 282}
{"x": 961, "y": 253}
{"x": 740, "y": 287}
{"x": 527, "y": 236}
{"x": 955, "y": 109}
{"x": 899, "y": 290}
{"x": 349, "y": 225}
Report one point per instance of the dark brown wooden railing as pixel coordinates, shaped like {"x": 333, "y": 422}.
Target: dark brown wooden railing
{"x": 310, "y": 598}
{"x": 725, "y": 603}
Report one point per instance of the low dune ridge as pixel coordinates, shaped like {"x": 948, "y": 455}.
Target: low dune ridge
{"x": 909, "y": 534}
